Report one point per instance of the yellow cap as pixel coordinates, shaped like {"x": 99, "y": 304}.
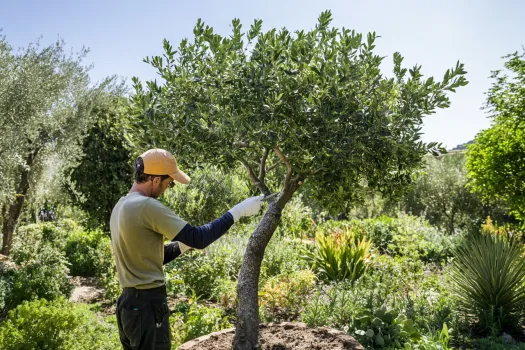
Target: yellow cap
{"x": 161, "y": 162}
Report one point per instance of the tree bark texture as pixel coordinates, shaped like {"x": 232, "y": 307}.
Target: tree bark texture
{"x": 15, "y": 208}
{"x": 247, "y": 325}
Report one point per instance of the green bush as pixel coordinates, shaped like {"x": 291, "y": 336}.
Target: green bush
{"x": 488, "y": 277}
{"x": 83, "y": 251}
{"x": 196, "y": 320}
{"x": 285, "y": 295}
{"x": 106, "y": 270}
{"x": 44, "y": 276}
{"x": 296, "y": 220}
{"x": 225, "y": 293}
{"x": 436, "y": 341}
{"x": 339, "y": 255}
{"x": 402, "y": 236}
{"x": 410, "y": 236}
{"x": 282, "y": 255}
{"x": 201, "y": 271}
{"x": 7, "y": 276}
{"x": 210, "y": 194}
{"x": 384, "y": 328}
{"x": 29, "y": 239}
{"x": 395, "y": 283}
{"x": 58, "y": 324}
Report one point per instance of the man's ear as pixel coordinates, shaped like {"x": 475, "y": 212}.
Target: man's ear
{"x": 156, "y": 180}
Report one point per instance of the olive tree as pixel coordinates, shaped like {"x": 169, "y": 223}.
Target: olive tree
{"x": 45, "y": 104}
{"x": 312, "y": 102}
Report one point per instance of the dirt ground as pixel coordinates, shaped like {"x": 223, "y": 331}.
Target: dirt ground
{"x": 86, "y": 290}
{"x": 284, "y": 336}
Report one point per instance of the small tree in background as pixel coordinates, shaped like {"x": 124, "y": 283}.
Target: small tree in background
{"x": 496, "y": 160}
{"x": 440, "y": 194}
{"x": 312, "y": 102}
{"x": 104, "y": 172}
{"x": 45, "y": 104}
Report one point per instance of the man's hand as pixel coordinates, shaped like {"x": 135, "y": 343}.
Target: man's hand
{"x": 248, "y": 207}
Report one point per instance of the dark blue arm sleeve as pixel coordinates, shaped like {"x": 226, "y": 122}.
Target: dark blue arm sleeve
{"x": 200, "y": 237}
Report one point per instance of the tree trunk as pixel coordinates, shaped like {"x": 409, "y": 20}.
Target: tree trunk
{"x": 247, "y": 325}
{"x": 15, "y": 208}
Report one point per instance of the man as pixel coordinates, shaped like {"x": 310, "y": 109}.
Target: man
{"x": 139, "y": 224}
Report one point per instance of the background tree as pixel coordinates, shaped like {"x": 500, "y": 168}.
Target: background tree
{"x": 496, "y": 160}
{"x": 440, "y": 194}
{"x": 45, "y": 104}
{"x": 313, "y": 102}
{"x": 103, "y": 172}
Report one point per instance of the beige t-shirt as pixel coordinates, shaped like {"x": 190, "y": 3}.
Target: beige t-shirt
{"x": 138, "y": 226}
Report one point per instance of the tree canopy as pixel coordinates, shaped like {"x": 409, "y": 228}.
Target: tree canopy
{"x": 314, "y": 100}
{"x": 497, "y": 157}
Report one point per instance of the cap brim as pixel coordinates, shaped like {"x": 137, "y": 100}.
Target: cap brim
{"x": 180, "y": 177}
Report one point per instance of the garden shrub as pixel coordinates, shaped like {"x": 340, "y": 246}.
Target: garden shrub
{"x": 196, "y": 320}
{"x": 283, "y": 255}
{"x": 58, "y": 324}
{"x": 388, "y": 283}
{"x": 284, "y": 295}
{"x": 225, "y": 293}
{"x": 43, "y": 276}
{"x": 83, "y": 251}
{"x": 339, "y": 255}
{"x": 410, "y": 236}
{"x": 106, "y": 270}
{"x": 29, "y": 239}
{"x": 198, "y": 272}
{"x": 403, "y": 236}
{"x": 488, "y": 277}
{"x": 508, "y": 231}
{"x": 7, "y": 275}
{"x": 383, "y": 328}
{"x": 296, "y": 220}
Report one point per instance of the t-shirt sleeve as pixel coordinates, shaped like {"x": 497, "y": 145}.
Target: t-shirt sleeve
{"x": 161, "y": 219}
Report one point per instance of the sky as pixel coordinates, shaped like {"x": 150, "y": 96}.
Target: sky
{"x": 434, "y": 34}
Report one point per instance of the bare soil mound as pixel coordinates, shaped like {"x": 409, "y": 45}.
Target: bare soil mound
{"x": 281, "y": 336}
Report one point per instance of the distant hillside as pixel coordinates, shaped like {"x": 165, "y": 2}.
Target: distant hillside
{"x": 463, "y": 146}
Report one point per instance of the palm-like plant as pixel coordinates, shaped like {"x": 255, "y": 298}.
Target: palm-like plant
{"x": 339, "y": 256}
{"x": 488, "y": 277}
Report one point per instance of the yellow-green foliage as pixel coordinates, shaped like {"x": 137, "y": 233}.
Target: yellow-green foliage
{"x": 339, "y": 255}
{"x": 285, "y": 294}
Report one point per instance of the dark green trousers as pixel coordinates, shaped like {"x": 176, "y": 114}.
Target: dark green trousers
{"x": 143, "y": 319}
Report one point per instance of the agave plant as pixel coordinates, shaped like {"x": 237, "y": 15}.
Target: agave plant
{"x": 339, "y": 255}
{"x": 488, "y": 277}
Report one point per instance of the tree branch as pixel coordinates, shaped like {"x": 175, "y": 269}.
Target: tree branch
{"x": 272, "y": 167}
{"x": 251, "y": 173}
{"x": 283, "y": 159}
{"x": 262, "y": 166}
{"x": 256, "y": 181}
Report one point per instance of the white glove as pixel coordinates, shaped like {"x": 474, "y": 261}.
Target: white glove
{"x": 248, "y": 207}
{"x": 183, "y": 248}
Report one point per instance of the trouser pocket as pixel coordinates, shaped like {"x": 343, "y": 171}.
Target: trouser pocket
{"x": 131, "y": 321}
{"x": 161, "y": 312}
